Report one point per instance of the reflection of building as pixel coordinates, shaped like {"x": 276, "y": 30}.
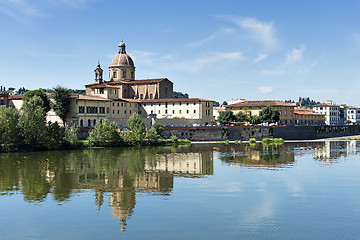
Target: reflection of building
{"x": 264, "y": 156}
{"x": 189, "y": 164}
{"x": 329, "y": 151}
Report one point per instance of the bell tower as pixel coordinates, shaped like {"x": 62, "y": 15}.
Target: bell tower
{"x": 98, "y": 74}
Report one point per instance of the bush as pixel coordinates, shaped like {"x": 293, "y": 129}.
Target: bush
{"x": 267, "y": 140}
{"x": 104, "y": 134}
{"x": 252, "y": 140}
{"x": 174, "y": 139}
{"x": 71, "y": 138}
{"x": 278, "y": 141}
{"x": 226, "y": 142}
{"x": 54, "y": 139}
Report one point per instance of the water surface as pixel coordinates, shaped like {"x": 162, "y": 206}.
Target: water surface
{"x": 293, "y": 191}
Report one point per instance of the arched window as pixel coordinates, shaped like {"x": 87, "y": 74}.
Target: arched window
{"x": 89, "y": 123}
{"x": 125, "y": 95}
{"x": 124, "y": 74}
{"x": 94, "y": 122}
{"x": 81, "y": 123}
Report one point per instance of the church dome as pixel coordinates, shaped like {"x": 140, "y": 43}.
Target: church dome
{"x": 122, "y": 59}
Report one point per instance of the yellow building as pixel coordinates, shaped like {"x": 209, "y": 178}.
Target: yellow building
{"x": 252, "y": 108}
{"x": 305, "y": 116}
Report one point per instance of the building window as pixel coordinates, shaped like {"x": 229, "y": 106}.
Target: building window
{"x": 132, "y": 75}
{"x": 159, "y": 111}
{"x": 179, "y": 111}
{"x": 117, "y": 104}
{"x": 107, "y": 110}
{"x": 194, "y": 111}
{"x": 113, "y": 111}
{"x": 114, "y": 74}
{"x": 124, "y": 74}
{"x": 173, "y": 104}
{"x": 187, "y": 104}
{"x": 122, "y": 104}
{"x": 124, "y": 111}
{"x": 81, "y": 123}
{"x": 129, "y": 104}
{"x": 187, "y": 111}
{"x": 152, "y": 111}
{"x": 141, "y": 96}
{"x": 115, "y": 91}
{"x": 194, "y": 103}
{"x": 129, "y": 111}
{"x": 166, "y": 111}
{"x": 102, "y": 109}
{"x": 173, "y": 111}
{"x": 81, "y": 109}
{"x": 207, "y": 104}
{"x": 101, "y": 91}
{"x": 94, "y": 122}
{"x": 285, "y": 113}
{"x": 151, "y": 96}
{"x": 207, "y": 112}
{"x": 118, "y": 111}
{"x": 89, "y": 122}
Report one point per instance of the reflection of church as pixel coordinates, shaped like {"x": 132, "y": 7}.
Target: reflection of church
{"x": 157, "y": 177}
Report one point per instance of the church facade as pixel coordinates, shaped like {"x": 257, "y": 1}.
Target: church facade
{"x": 121, "y": 96}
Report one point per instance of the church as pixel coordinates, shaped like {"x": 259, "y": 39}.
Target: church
{"x": 122, "y": 95}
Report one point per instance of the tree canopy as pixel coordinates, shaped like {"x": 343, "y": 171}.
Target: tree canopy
{"x": 226, "y": 117}
{"x": 180, "y": 95}
{"x": 45, "y": 104}
{"x": 61, "y": 104}
{"x": 269, "y": 114}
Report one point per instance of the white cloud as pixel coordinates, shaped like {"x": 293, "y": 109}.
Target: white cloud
{"x": 356, "y": 38}
{"x": 262, "y": 32}
{"x": 20, "y": 9}
{"x": 220, "y": 32}
{"x": 295, "y": 55}
{"x": 265, "y": 89}
{"x": 260, "y": 57}
{"x": 211, "y": 58}
{"x": 267, "y": 72}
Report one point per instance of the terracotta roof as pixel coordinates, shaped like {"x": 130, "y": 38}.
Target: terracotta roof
{"x": 352, "y": 107}
{"x": 326, "y": 105}
{"x": 87, "y": 97}
{"x": 175, "y": 100}
{"x": 16, "y": 97}
{"x": 264, "y": 103}
{"x": 307, "y": 113}
{"x": 117, "y": 82}
{"x": 104, "y": 86}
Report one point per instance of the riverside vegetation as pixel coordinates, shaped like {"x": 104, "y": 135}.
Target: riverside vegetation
{"x": 27, "y": 130}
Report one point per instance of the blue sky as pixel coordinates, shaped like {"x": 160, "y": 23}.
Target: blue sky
{"x": 210, "y": 49}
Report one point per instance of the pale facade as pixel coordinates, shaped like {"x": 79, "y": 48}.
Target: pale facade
{"x": 331, "y": 112}
{"x": 306, "y": 117}
{"x": 353, "y": 115}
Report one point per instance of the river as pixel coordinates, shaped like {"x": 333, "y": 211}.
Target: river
{"x": 203, "y": 191}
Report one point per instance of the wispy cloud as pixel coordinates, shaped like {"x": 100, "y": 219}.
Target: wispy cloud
{"x": 212, "y": 58}
{"x": 356, "y": 38}
{"x": 265, "y": 89}
{"x": 262, "y": 32}
{"x": 295, "y": 55}
{"x": 260, "y": 57}
{"x": 22, "y": 9}
{"x": 220, "y": 32}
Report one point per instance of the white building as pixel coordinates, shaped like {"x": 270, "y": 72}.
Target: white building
{"x": 331, "y": 111}
{"x": 353, "y": 115}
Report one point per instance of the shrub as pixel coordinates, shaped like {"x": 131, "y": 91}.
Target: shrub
{"x": 252, "y": 140}
{"x": 227, "y": 142}
{"x": 104, "y": 134}
{"x": 174, "y": 139}
{"x": 278, "y": 141}
{"x": 71, "y": 137}
{"x": 267, "y": 140}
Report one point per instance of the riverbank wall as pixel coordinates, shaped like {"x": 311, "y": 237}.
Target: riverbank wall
{"x": 222, "y": 133}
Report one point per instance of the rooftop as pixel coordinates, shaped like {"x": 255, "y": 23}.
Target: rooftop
{"x": 265, "y": 103}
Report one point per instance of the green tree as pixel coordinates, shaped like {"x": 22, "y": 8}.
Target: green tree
{"x": 61, "y": 104}
{"x": 224, "y": 103}
{"x": 216, "y": 104}
{"x": 71, "y": 137}
{"x": 137, "y": 133}
{"x": 226, "y": 117}
{"x": 269, "y": 114}
{"x": 241, "y": 117}
{"x": 54, "y": 139}
{"x": 180, "y": 95}
{"x": 45, "y": 104}
{"x": 33, "y": 123}
{"x": 158, "y": 128}
{"x": 10, "y": 130}
{"x": 105, "y": 134}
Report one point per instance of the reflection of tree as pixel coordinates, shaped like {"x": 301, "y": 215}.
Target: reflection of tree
{"x": 121, "y": 172}
{"x": 258, "y": 155}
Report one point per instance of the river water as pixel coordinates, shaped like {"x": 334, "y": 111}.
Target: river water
{"x": 204, "y": 191}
